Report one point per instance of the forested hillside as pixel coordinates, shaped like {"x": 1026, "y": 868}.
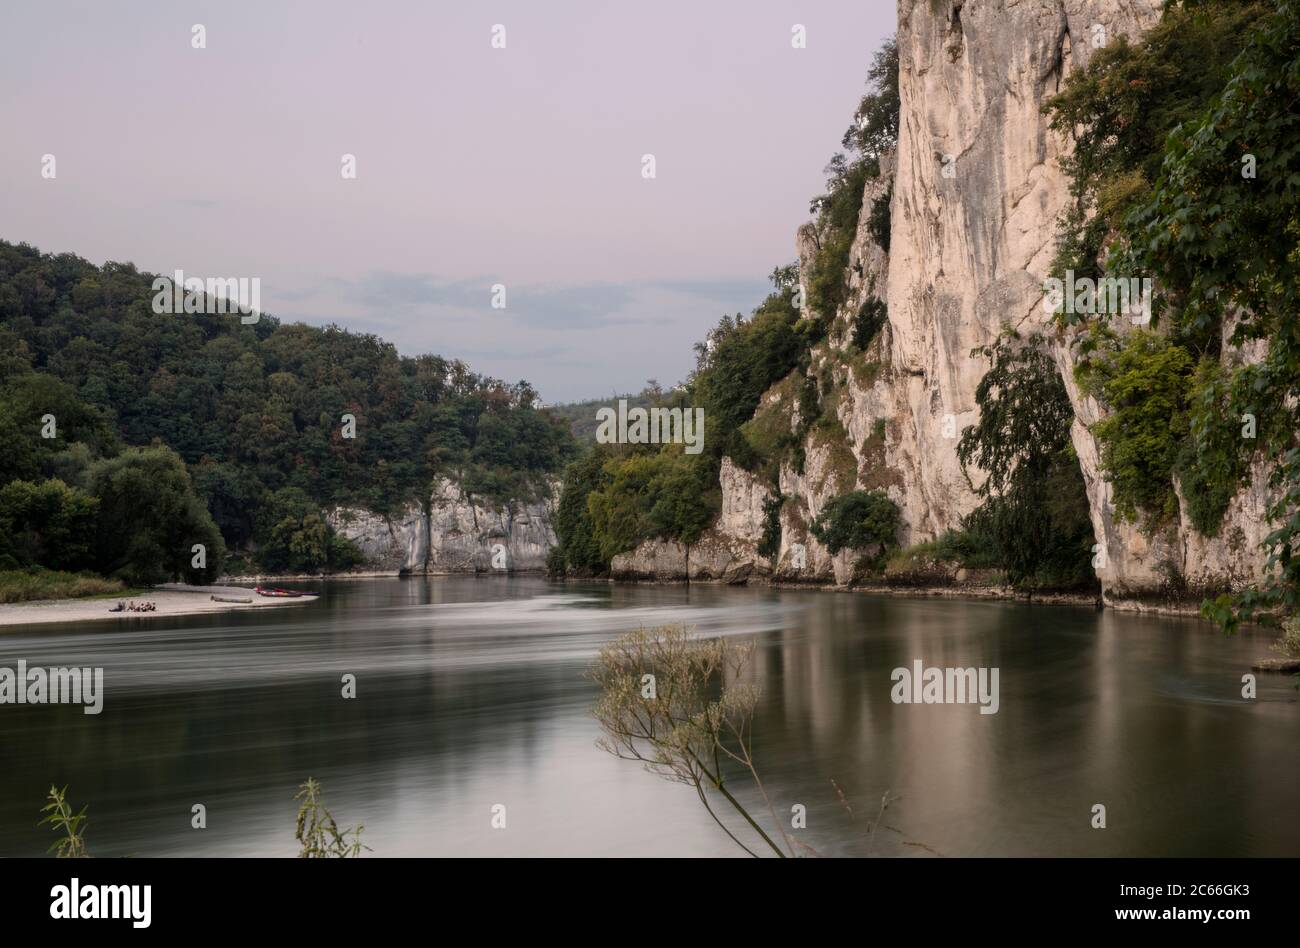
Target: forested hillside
{"x": 245, "y": 423}
{"x": 582, "y": 416}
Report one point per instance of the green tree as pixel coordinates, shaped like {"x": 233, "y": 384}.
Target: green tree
{"x": 858, "y": 520}
{"x": 770, "y": 544}
{"x": 685, "y": 497}
{"x": 667, "y": 495}
{"x": 1123, "y": 105}
{"x": 150, "y": 519}
{"x": 48, "y": 524}
{"x": 738, "y": 363}
{"x": 295, "y": 537}
{"x": 578, "y": 550}
{"x": 1226, "y": 237}
{"x": 875, "y": 123}
{"x": 233, "y": 495}
{"x": 873, "y": 132}
{"x": 20, "y": 458}
{"x": 34, "y": 404}
{"x": 1035, "y": 508}
{"x": 1143, "y": 381}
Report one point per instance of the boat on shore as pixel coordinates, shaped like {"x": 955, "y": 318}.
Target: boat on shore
{"x": 232, "y": 599}
{"x": 279, "y": 593}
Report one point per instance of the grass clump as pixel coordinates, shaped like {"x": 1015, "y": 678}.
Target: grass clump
{"x": 33, "y": 585}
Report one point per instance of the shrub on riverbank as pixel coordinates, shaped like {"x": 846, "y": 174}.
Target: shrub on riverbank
{"x": 31, "y": 585}
{"x": 925, "y": 564}
{"x": 1288, "y": 643}
{"x": 859, "y": 520}
{"x": 679, "y": 704}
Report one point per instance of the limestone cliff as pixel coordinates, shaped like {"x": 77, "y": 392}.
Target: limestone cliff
{"x": 977, "y": 197}
{"x": 456, "y": 534}
{"x": 976, "y": 192}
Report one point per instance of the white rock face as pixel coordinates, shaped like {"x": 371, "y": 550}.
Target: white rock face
{"x": 976, "y": 198}
{"x": 977, "y": 195}
{"x": 742, "y": 504}
{"x": 713, "y": 558}
{"x": 396, "y": 544}
{"x": 977, "y": 190}
{"x": 459, "y": 535}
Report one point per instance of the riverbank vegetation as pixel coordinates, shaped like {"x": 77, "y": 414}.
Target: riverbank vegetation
{"x": 60, "y": 818}
{"x": 317, "y": 832}
{"x": 678, "y": 705}
{"x": 315, "y": 829}
{"x": 859, "y": 520}
{"x": 38, "y": 584}
{"x": 683, "y": 707}
{"x": 1184, "y": 171}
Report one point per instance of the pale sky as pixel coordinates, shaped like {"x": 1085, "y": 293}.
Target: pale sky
{"x": 475, "y": 166}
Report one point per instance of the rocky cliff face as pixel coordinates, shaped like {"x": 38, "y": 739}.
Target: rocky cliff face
{"x": 977, "y": 189}
{"x": 457, "y": 534}
{"x": 977, "y": 196}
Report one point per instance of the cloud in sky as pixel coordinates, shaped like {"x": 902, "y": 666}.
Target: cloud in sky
{"x": 586, "y": 340}
{"x": 475, "y": 165}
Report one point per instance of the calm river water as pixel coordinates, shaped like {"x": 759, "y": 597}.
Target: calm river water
{"x": 471, "y": 692}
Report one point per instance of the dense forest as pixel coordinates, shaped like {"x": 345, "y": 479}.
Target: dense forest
{"x": 128, "y": 436}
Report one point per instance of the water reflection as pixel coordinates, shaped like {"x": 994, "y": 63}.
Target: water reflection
{"x": 471, "y": 692}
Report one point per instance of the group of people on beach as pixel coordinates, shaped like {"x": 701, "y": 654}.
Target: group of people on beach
{"x": 134, "y": 607}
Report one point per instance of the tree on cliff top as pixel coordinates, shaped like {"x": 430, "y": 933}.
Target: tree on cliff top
{"x": 874, "y": 131}
{"x": 875, "y": 123}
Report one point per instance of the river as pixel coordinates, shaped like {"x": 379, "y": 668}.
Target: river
{"x": 471, "y": 692}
